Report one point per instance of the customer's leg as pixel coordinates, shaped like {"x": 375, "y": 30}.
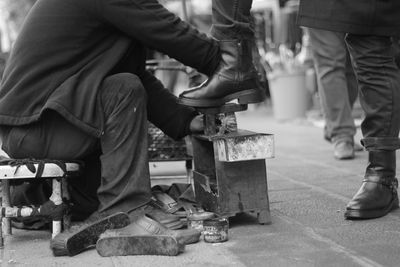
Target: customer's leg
{"x": 379, "y": 82}
{"x": 236, "y": 76}
{"x": 232, "y": 19}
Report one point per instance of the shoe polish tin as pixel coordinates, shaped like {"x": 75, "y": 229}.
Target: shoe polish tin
{"x": 216, "y": 230}
{"x": 195, "y": 220}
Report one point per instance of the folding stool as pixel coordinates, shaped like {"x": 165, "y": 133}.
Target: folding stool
{"x": 24, "y": 170}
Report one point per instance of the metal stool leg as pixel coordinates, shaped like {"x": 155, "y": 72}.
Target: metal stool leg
{"x": 6, "y": 202}
{"x": 1, "y": 220}
{"x": 57, "y": 199}
{"x": 67, "y": 198}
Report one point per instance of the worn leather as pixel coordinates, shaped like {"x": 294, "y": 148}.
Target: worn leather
{"x": 169, "y": 220}
{"x": 235, "y": 78}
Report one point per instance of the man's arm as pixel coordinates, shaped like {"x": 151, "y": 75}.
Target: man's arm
{"x": 154, "y": 26}
{"x": 164, "y": 110}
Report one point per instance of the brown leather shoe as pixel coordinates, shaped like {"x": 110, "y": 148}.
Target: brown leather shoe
{"x": 235, "y": 78}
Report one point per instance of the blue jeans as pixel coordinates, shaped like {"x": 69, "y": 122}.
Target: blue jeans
{"x": 379, "y": 83}
{"x": 337, "y": 83}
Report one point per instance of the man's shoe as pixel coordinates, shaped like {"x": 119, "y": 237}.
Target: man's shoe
{"x": 84, "y": 235}
{"x": 145, "y": 225}
{"x": 235, "y": 78}
{"x": 343, "y": 149}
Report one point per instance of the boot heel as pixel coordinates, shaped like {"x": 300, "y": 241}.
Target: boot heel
{"x": 255, "y": 96}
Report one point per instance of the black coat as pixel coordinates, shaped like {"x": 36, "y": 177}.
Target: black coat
{"x": 367, "y": 17}
{"x": 67, "y": 48}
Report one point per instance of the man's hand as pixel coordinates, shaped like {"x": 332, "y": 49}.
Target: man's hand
{"x": 197, "y": 125}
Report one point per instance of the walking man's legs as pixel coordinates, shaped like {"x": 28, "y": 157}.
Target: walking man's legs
{"x": 337, "y": 89}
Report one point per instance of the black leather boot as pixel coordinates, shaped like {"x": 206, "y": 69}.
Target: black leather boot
{"x": 377, "y": 195}
{"x": 235, "y": 78}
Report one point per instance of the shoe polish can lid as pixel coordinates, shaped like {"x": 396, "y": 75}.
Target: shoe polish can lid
{"x": 220, "y": 221}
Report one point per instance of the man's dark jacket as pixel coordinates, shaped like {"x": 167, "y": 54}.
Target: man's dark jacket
{"x": 66, "y": 48}
{"x": 370, "y": 17}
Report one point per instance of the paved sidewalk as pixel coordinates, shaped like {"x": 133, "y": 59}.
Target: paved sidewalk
{"x": 308, "y": 192}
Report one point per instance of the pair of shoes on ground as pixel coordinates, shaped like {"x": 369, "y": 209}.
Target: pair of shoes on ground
{"x": 157, "y": 212}
{"x": 178, "y": 199}
{"x": 138, "y": 234}
{"x": 145, "y": 236}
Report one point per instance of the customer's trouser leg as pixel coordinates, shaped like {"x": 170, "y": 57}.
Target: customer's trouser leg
{"x": 236, "y": 77}
{"x": 231, "y": 19}
{"x": 124, "y": 183}
{"x": 337, "y": 85}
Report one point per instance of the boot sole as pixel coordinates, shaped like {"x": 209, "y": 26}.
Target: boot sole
{"x": 371, "y": 214}
{"x": 138, "y": 245}
{"x": 70, "y": 243}
{"x": 244, "y": 97}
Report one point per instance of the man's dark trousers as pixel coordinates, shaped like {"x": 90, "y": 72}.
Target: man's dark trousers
{"x": 124, "y": 183}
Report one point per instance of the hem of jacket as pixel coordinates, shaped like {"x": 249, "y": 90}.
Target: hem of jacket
{"x": 16, "y": 120}
{"x": 338, "y": 26}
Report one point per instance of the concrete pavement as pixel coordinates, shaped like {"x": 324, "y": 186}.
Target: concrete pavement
{"x": 308, "y": 191}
